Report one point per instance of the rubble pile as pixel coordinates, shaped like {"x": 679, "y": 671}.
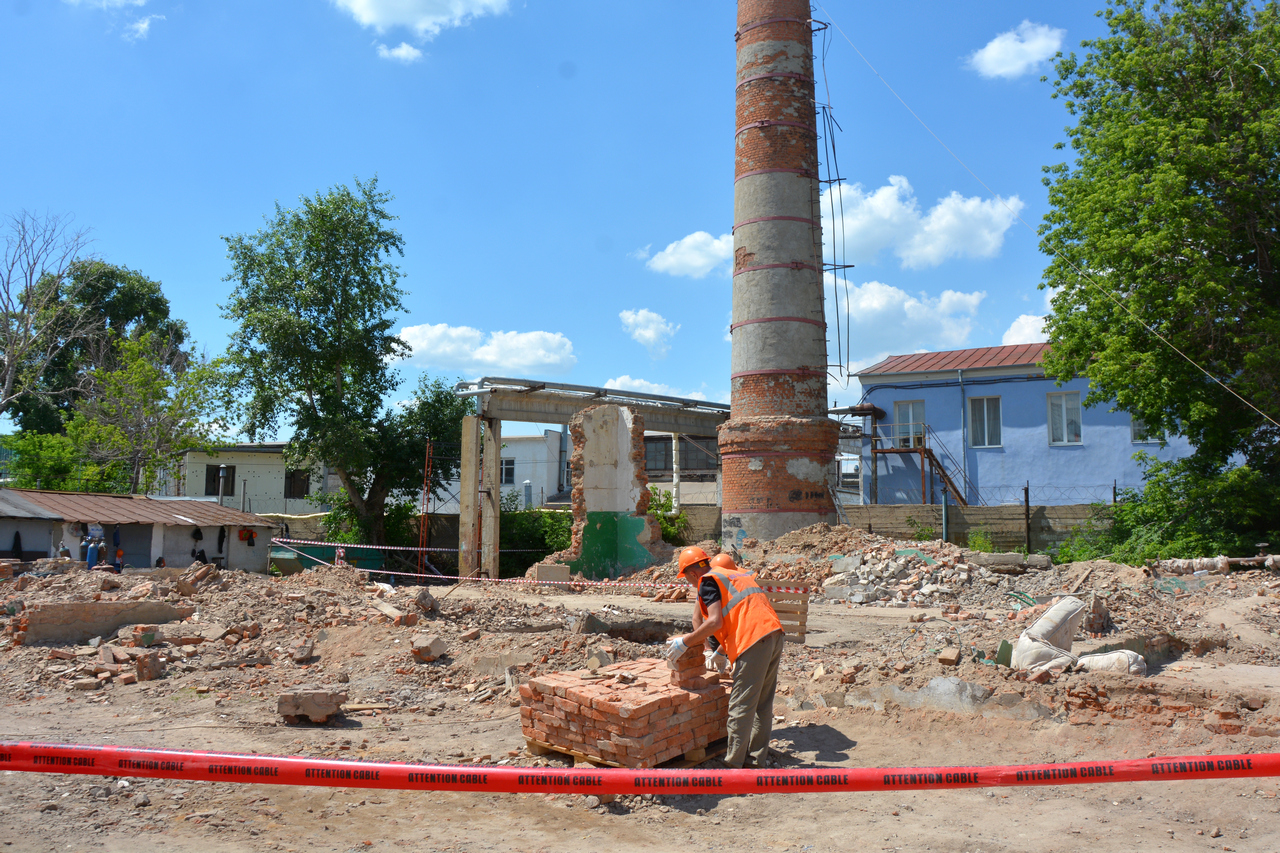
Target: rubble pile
{"x": 286, "y": 640}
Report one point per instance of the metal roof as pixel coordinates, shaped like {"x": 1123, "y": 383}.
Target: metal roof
{"x": 128, "y": 509}
{"x": 1017, "y": 355}
{"x": 13, "y": 505}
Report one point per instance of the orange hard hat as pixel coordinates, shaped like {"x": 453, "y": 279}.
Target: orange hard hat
{"x": 689, "y": 557}
{"x": 723, "y": 561}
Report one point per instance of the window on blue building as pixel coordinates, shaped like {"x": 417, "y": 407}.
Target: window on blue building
{"x": 1064, "y": 418}
{"x": 908, "y": 419}
{"x": 1140, "y": 433}
{"x": 984, "y": 422}
{"x": 507, "y": 472}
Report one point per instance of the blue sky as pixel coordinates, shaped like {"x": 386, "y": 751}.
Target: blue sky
{"x": 563, "y": 171}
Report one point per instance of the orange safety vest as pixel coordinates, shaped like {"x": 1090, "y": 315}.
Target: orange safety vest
{"x": 746, "y": 610}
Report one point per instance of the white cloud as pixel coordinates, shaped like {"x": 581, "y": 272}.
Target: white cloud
{"x": 1027, "y": 329}
{"x": 425, "y": 17}
{"x": 650, "y": 329}
{"x": 469, "y": 350}
{"x": 629, "y": 383}
{"x": 140, "y": 28}
{"x": 889, "y": 217}
{"x": 693, "y": 256}
{"x": 405, "y": 53}
{"x": 1017, "y": 51}
{"x": 887, "y": 319}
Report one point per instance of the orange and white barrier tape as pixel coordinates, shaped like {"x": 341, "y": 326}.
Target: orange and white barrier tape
{"x": 281, "y": 770}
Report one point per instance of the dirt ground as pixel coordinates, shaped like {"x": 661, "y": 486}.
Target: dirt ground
{"x": 1216, "y": 692}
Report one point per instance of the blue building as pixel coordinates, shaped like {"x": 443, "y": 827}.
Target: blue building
{"x": 984, "y": 423}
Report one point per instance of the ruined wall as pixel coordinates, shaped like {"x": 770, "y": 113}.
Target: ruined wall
{"x": 612, "y": 531}
{"x": 78, "y": 621}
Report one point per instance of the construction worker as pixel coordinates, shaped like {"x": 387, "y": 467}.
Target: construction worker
{"x": 734, "y": 611}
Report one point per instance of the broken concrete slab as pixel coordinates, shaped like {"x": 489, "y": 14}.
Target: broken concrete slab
{"x": 80, "y": 621}
{"x": 314, "y": 704}
{"x": 428, "y": 647}
{"x": 302, "y": 652}
{"x": 549, "y": 573}
{"x": 599, "y": 658}
{"x": 425, "y": 601}
{"x": 496, "y": 666}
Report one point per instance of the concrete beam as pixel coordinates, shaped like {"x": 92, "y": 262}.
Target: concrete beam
{"x": 550, "y": 407}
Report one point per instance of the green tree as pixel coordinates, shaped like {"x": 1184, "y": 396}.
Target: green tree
{"x": 114, "y": 303}
{"x": 1172, "y": 209}
{"x": 141, "y": 415}
{"x": 315, "y": 299}
{"x": 53, "y": 461}
{"x": 1187, "y": 508}
{"x": 388, "y": 467}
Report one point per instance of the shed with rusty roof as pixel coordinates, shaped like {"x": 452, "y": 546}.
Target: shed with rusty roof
{"x": 145, "y": 528}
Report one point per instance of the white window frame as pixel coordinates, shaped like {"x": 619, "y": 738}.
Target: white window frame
{"x": 986, "y": 425}
{"x": 904, "y": 433}
{"x": 1148, "y": 437}
{"x": 1061, "y": 398}
{"x": 507, "y": 463}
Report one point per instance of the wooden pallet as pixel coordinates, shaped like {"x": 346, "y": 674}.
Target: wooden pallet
{"x": 793, "y": 612}
{"x": 692, "y": 758}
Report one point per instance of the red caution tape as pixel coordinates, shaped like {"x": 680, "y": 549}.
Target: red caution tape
{"x": 279, "y": 770}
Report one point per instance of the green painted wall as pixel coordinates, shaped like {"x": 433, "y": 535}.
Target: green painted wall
{"x": 610, "y": 545}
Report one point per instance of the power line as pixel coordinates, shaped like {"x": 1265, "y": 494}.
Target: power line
{"x": 1084, "y": 275}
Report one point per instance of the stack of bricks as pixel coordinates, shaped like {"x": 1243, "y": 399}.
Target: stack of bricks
{"x": 631, "y": 714}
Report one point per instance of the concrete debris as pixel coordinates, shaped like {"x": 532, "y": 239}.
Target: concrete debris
{"x": 314, "y": 704}
{"x": 302, "y": 652}
{"x": 425, "y": 601}
{"x": 428, "y": 647}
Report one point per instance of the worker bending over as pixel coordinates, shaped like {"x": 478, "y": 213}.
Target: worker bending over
{"x": 734, "y": 618}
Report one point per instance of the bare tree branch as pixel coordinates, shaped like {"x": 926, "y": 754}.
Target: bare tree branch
{"x": 37, "y": 301}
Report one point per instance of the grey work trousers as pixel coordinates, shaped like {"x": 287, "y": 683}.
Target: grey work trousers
{"x": 755, "y": 680}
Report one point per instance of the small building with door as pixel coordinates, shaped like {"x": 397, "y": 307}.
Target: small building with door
{"x": 986, "y": 423}
{"x": 146, "y": 528}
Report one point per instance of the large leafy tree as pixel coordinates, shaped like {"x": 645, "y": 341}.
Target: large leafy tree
{"x": 144, "y": 412}
{"x": 1167, "y": 224}
{"x": 114, "y": 303}
{"x": 315, "y": 299}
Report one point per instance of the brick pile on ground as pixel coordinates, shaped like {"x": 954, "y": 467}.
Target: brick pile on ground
{"x": 634, "y": 714}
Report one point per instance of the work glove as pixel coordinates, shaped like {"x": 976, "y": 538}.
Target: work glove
{"x": 675, "y": 650}
{"x": 717, "y": 661}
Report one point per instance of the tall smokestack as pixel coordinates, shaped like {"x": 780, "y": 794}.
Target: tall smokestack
{"x": 778, "y": 444}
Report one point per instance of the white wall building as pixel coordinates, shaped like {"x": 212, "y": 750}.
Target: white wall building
{"x": 257, "y": 479}
{"x": 542, "y": 460}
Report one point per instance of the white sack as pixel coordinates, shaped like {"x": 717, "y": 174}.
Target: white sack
{"x": 1036, "y": 655}
{"x": 1059, "y": 623}
{"x": 1123, "y": 660}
